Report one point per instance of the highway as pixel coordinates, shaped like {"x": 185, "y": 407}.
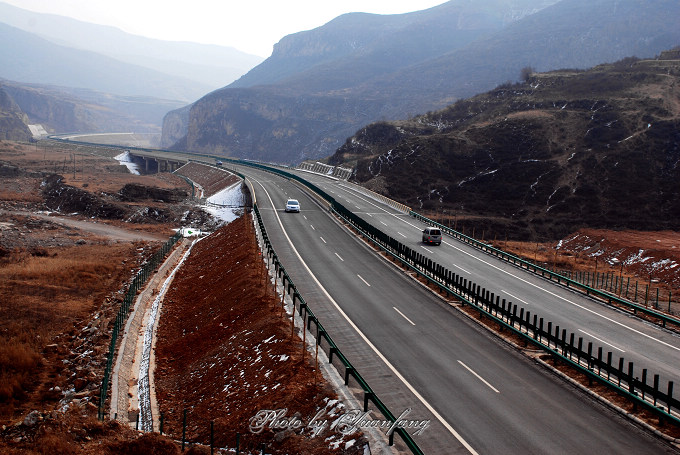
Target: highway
{"x": 646, "y": 345}
{"x": 419, "y": 353}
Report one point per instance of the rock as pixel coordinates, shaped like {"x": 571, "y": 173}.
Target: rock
{"x": 32, "y": 418}
{"x": 80, "y": 384}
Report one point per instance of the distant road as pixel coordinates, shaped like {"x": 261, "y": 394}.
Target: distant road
{"x": 101, "y": 229}
{"x": 143, "y": 140}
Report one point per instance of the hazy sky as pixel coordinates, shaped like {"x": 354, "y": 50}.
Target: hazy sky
{"x": 252, "y": 26}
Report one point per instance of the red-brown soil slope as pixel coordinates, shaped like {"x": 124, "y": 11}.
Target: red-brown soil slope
{"x": 225, "y": 352}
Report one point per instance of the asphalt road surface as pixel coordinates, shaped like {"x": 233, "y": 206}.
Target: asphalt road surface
{"x": 418, "y": 353}
{"x": 625, "y": 336}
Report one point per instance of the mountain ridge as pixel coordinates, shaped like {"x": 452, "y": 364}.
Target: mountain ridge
{"x": 25, "y": 57}
{"x": 394, "y": 83}
{"x": 211, "y": 66}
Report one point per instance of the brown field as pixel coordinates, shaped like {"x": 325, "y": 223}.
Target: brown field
{"x": 60, "y": 287}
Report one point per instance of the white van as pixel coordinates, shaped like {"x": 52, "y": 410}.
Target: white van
{"x": 432, "y": 235}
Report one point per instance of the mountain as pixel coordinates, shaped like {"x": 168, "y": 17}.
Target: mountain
{"x": 320, "y": 86}
{"x": 64, "y": 109}
{"x": 568, "y": 34}
{"x": 205, "y": 65}
{"x": 356, "y": 46}
{"x": 542, "y": 158}
{"x": 13, "y": 122}
{"x": 300, "y": 101}
{"x": 26, "y": 57}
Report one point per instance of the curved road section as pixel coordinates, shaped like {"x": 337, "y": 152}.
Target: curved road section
{"x": 625, "y": 336}
{"x": 421, "y": 355}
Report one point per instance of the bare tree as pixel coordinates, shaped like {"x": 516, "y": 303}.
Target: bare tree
{"x": 525, "y": 73}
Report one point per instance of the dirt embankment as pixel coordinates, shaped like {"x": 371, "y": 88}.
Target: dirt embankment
{"x": 638, "y": 263}
{"x": 226, "y": 350}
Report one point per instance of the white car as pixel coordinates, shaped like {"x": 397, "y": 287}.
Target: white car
{"x": 292, "y": 205}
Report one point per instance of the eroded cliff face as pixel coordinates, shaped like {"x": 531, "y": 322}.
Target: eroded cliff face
{"x": 66, "y": 110}
{"x": 53, "y": 113}
{"x": 175, "y": 126}
{"x": 251, "y": 124}
{"x": 13, "y": 122}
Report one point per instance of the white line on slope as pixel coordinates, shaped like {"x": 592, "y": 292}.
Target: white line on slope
{"x": 367, "y": 341}
{"x": 143, "y": 384}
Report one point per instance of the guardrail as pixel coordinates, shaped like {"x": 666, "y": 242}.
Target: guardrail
{"x": 124, "y": 310}
{"x": 321, "y": 334}
{"x": 379, "y": 197}
{"x": 535, "y": 331}
{"x": 471, "y": 294}
{"x": 316, "y": 167}
{"x": 553, "y": 276}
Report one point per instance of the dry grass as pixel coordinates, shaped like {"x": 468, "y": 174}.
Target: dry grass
{"x": 58, "y": 299}
{"x": 19, "y": 197}
{"x": 45, "y": 295}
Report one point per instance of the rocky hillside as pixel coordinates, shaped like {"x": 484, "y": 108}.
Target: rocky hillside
{"x": 12, "y": 119}
{"x": 321, "y": 85}
{"x": 67, "y": 110}
{"x": 540, "y": 159}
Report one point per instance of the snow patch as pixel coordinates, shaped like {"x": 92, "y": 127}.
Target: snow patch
{"x": 125, "y": 160}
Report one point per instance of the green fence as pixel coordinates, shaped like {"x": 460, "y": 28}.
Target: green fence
{"x": 121, "y": 317}
{"x": 571, "y": 283}
{"x": 437, "y": 274}
{"x": 532, "y": 328}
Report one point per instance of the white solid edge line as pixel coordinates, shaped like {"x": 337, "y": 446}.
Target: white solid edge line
{"x": 368, "y": 342}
